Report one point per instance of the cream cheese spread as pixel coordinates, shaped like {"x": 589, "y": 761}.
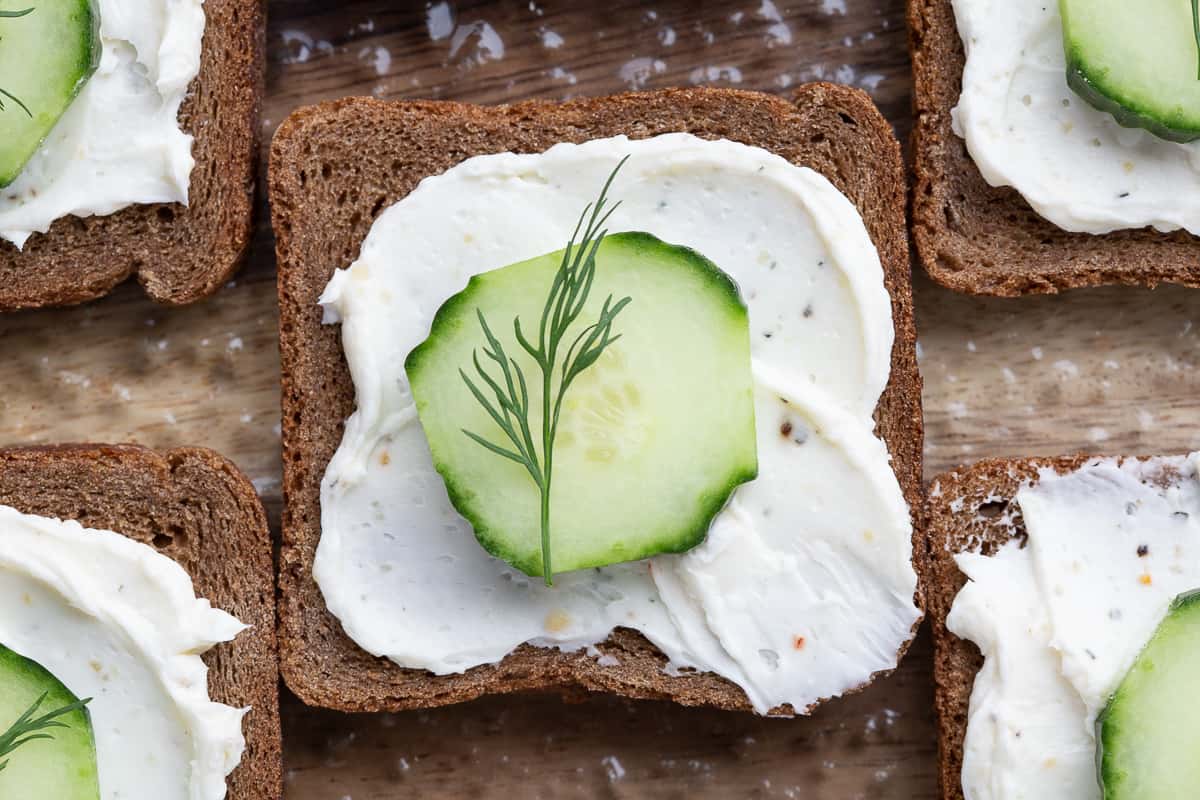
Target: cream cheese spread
{"x": 119, "y": 143}
{"x": 1025, "y": 128}
{"x": 804, "y": 587}
{"x": 117, "y": 621}
{"x": 1061, "y": 620}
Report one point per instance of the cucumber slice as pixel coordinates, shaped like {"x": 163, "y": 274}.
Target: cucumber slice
{"x": 45, "y": 58}
{"x": 63, "y": 766}
{"x": 1149, "y": 733}
{"x": 653, "y": 437}
{"x": 1137, "y": 61}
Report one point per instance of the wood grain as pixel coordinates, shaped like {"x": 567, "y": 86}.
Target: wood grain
{"x": 1111, "y": 370}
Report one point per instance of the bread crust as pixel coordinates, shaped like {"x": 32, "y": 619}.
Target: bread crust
{"x": 968, "y": 510}
{"x": 336, "y": 166}
{"x": 988, "y": 240}
{"x": 197, "y": 508}
{"x": 179, "y": 253}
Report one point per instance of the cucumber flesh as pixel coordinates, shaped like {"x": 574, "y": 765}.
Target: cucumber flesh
{"x": 1149, "y": 733}
{"x": 46, "y": 56}
{"x": 653, "y": 437}
{"x": 62, "y": 767}
{"x": 1137, "y": 61}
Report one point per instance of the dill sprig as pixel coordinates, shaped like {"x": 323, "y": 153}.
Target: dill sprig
{"x": 29, "y": 728}
{"x": 568, "y": 295}
{"x": 3, "y": 94}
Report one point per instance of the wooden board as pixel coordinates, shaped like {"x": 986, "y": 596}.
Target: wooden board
{"x": 1110, "y": 370}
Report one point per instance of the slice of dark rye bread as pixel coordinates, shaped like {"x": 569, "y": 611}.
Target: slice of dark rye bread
{"x": 196, "y": 507}
{"x": 336, "y": 166}
{"x": 981, "y": 239}
{"x": 180, "y": 254}
{"x": 969, "y": 509}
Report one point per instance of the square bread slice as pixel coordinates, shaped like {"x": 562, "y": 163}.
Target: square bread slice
{"x": 336, "y": 166}
{"x": 197, "y": 508}
{"x": 981, "y": 239}
{"x": 180, "y": 254}
{"x": 968, "y": 509}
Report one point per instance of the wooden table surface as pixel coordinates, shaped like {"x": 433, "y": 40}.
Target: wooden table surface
{"x": 1109, "y": 371}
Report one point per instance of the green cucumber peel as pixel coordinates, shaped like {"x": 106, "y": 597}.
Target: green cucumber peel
{"x": 1139, "y": 85}
{"x": 1146, "y": 734}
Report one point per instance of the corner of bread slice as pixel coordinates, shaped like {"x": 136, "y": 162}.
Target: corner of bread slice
{"x": 335, "y": 166}
{"x": 178, "y": 253}
{"x": 980, "y": 239}
{"x": 970, "y": 509}
{"x": 197, "y": 508}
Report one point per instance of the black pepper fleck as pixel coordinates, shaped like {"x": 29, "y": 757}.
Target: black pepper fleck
{"x": 1143, "y": 550}
{"x": 807, "y": 311}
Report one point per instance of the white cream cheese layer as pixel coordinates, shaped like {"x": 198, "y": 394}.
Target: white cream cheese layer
{"x": 805, "y": 585}
{"x": 1061, "y": 620}
{"x": 116, "y": 621}
{"x": 1025, "y": 128}
{"x": 119, "y": 143}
